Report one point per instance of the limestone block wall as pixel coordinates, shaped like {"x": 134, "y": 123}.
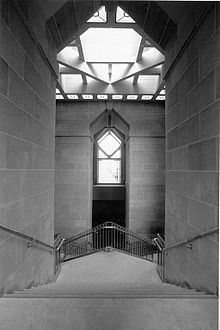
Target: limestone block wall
{"x": 74, "y": 166}
{"x": 145, "y": 161}
{"x": 192, "y": 153}
{"x": 27, "y": 124}
{"x": 144, "y": 165}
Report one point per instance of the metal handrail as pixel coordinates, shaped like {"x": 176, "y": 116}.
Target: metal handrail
{"x": 107, "y": 236}
{"x": 188, "y": 240}
{"x": 32, "y": 240}
{"x": 160, "y": 248}
{"x": 110, "y": 225}
{"x": 58, "y": 236}
{"x": 159, "y": 241}
{"x": 60, "y": 244}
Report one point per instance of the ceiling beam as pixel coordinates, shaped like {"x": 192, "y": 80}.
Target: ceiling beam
{"x": 161, "y": 84}
{"x": 152, "y": 59}
{"x": 122, "y": 87}
{"x": 68, "y": 70}
{"x": 79, "y": 65}
{"x": 60, "y": 87}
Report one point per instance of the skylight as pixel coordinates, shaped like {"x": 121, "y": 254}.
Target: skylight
{"x": 123, "y": 17}
{"x": 109, "y": 60}
{"x": 117, "y": 97}
{"x": 102, "y": 97}
{"x": 72, "y": 96}
{"x": 110, "y": 45}
{"x": 149, "y": 82}
{"x": 146, "y": 97}
{"x": 160, "y": 97}
{"x": 59, "y": 97}
{"x": 99, "y": 16}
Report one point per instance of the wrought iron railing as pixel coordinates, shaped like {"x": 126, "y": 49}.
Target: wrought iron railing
{"x": 107, "y": 236}
{"x": 160, "y": 243}
{"x": 58, "y": 242}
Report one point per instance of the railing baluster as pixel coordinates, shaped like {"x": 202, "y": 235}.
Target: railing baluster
{"x": 111, "y": 235}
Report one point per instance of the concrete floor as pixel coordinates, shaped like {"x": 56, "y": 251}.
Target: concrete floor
{"x": 113, "y": 270}
{"x": 107, "y": 271}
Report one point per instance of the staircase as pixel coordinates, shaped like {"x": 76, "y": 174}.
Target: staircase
{"x": 106, "y": 291}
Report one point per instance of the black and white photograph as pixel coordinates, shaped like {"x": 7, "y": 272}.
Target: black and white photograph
{"x": 109, "y": 164}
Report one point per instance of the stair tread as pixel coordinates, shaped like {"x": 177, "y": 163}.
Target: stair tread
{"x": 114, "y": 296}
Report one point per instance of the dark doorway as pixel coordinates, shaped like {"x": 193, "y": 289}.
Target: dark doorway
{"x": 106, "y": 210}
{"x": 108, "y": 205}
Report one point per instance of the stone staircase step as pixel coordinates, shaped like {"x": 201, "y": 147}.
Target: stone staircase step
{"x": 119, "y": 292}
{"x": 116, "y": 296}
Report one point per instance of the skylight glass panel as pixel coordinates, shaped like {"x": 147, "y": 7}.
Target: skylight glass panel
{"x": 57, "y": 90}
{"x": 146, "y": 97}
{"x": 99, "y": 16}
{"x": 110, "y": 45}
{"x": 162, "y": 92}
{"x": 87, "y": 96}
{"x": 72, "y": 96}
{"x": 117, "y": 97}
{"x": 101, "y": 70}
{"x": 59, "y": 97}
{"x": 148, "y": 83}
{"x": 102, "y": 97}
{"x": 69, "y": 52}
{"x": 132, "y": 97}
{"x": 123, "y": 17}
{"x": 119, "y": 70}
{"x": 160, "y": 97}
{"x": 69, "y": 81}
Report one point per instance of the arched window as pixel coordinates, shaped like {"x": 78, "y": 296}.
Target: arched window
{"x": 109, "y": 155}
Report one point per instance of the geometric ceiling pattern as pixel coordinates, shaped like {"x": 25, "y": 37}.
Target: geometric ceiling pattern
{"x": 110, "y": 58}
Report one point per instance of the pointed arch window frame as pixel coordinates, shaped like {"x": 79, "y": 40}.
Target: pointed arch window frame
{"x": 97, "y": 159}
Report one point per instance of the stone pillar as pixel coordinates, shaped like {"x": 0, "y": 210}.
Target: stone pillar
{"x": 192, "y": 144}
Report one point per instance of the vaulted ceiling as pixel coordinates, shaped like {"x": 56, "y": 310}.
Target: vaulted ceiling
{"x": 70, "y": 25}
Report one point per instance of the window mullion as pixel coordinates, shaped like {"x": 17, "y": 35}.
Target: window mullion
{"x": 103, "y": 151}
{"x": 115, "y": 151}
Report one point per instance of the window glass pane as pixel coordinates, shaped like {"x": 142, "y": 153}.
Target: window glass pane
{"x": 109, "y": 143}
{"x": 117, "y": 154}
{"x": 101, "y": 154}
{"x": 109, "y": 171}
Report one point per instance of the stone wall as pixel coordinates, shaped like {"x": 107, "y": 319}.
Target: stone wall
{"x": 192, "y": 145}
{"x": 27, "y": 123}
{"x": 144, "y": 166}
{"x": 74, "y": 166}
{"x": 144, "y": 162}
